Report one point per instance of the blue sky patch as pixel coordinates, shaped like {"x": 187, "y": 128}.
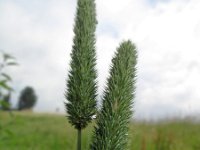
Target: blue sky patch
{"x": 154, "y": 2}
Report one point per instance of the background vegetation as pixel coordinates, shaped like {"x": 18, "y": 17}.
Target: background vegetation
{"x": 27, "y": 98}
{"x": 31, "y": 131}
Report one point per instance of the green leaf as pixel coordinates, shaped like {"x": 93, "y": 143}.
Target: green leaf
{"x": 7, "y": 57}
{"x": 6, "y": 76}
{"x": 11, "y": 64}
{"x": 4, "y": 104}
{"x": 4, "y": 85}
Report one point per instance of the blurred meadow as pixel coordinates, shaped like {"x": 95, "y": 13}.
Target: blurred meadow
{"x": 34, "y": 131}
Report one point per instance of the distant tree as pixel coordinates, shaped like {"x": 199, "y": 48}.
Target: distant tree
{"x": 111, "y": 131}
{"x": 27, "y": 98}
{"x": 81, "y": 85}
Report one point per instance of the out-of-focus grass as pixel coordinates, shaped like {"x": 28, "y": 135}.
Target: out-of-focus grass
{"x": 30, "y": 131}
{"x": 169, "y": 135}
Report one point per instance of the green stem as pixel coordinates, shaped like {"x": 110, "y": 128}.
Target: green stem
{"x": 79, "y": 140}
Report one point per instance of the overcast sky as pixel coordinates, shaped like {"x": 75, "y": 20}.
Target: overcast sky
{"x": 166, "y": 32}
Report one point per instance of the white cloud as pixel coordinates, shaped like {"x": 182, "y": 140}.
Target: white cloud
{"x": 167, "y": 35}
{"x": 168, "y": 63}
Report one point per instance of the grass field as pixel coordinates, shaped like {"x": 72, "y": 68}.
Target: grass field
{"x": 29, "y": 131}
